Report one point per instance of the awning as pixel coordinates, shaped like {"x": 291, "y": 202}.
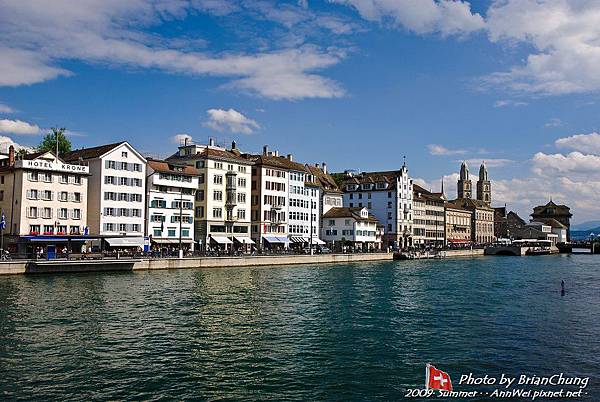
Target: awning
{"x": 458, "y": 241}
{"x": 275, "y": 239}
{"x": 297, "y": 239}
{"x": 244, "y": 240}
{"x": 171, "y": 241}
{"x": 57, "y": 239}
{"x": 126, "y": 241}
{"x": 316, "y": 240}
{"x": 221, "y": 239}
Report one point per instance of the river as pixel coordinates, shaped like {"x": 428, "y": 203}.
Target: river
{"x": 333, "y": 332}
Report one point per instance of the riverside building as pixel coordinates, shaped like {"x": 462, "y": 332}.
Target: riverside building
{"x": 286, "y": 202}
{"x": 116, "y": 202}
{"x": 331, "y": 195}
{"x": 44, "y": 201}
{"x": 389, "y": 197}
{"x": 351, "y": 227}
{"x": 428, "y": 218}
{"x": 457, "y": 225}
{"x": 222, "y": 201}
{"x": 170, "y": 195}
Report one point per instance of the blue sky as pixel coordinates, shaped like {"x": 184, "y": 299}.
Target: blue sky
{"x": 354, "y": 83}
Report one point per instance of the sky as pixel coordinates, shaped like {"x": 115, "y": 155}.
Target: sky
{"x": 358, "y": 84}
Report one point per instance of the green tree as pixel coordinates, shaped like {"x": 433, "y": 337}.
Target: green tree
{"x": 49, "y": 141}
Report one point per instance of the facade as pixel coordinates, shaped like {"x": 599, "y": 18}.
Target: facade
{"x": 536, "y": 231}
{"x": 355, "y": 227}
{"x": 116, "y": 202}
{"x": 389, "y": 197}
{"x": 222, "y": 202}
{"x": 458, "y": 225}
{"x": 558, "y": 229}
{"x": 561, "y": 213}
{"x": 428, "y": 218}
{"x": 41, "y": 195}
{"x": 170, "y": 195}
{"x": 482, "y": 219}
{"x": 286, "y": 201}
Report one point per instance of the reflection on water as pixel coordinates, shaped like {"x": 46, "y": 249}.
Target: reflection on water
{"x": 336, "y": 332}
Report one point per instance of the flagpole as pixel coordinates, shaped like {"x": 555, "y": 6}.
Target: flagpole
{"x": 427, "y": 376}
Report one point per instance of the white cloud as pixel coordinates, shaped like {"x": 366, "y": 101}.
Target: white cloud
{"x": 6, "y": 142}
{"x": 553, "y": 122}
{"x": 180, "y": 139}
{"x": 509, "y": 102}
{"x": 574, "y": 164}
{"x": 564, "y": 35}
{"x": 6, "y": 109}
{"x": 18, "y": 127}
{"x": 435, "y": 149}
{"x": 588, "y": 143}
{"x": 35, "y": 38}
{"x": 435, "y": 185}
{"x": 447, "y": 17}
{"x": 230, "y": 120}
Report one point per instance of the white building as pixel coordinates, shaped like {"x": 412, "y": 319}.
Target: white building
{"x": 355, "y": 227}
{"x": 558, "y": 228}
{"x": 286, "y": 202}
{"x": 44, "y": 200}
{"x": 222, "y": 204}
{"x": 389, "y": 197}
{"x": 116, "y": 202}
{"x": 331, "y": 195}
{"x": 170, "y": 194}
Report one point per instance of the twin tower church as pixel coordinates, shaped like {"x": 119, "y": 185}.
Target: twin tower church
{"x": 484, "y": 186}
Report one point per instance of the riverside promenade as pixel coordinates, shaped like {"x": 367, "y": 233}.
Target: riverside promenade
{"x": 145, "y": 264}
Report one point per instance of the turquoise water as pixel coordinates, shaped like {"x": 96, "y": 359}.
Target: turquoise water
{"x": 334, "y": 332}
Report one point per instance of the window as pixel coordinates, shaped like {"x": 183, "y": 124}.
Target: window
{"x": 241, "y": 197}
{"x": 47, "y": 213}
{"x": 74, "y": 230}
{"x": 32, "y": 194}
{"x": 77, "y": 179}
{"x": 34, "y": 229}
{"x": 157, "y": 232}
{"x": 48, "y": 229}
{"x": 200, "y": 195}
{"x": 135, "y": 227}
{"x": 218, "y": 195}
{"x": 109, "y": 227}
{"x": 241, "y": 182}
{"x": 109, "y": 211}
{"x": 47, "y": 177}
{"x": 124, "y": 154}
{"x": 241, "y": 214}
{"x": 242, "y": 169}
{"x": 63, "y": 178}
{"x": 122, "y": 227}
{"x": 32, "y": 212}
{"x": 61, "y": 229}
{"x": 1, "y": 195}
{"x": 32, "y": 176}
{"x": 217, "y": 213}
{"x": 218, "y": 165}
{"x": 62, "y": 213}
{"x": 109, "y": 179}
{"x": 47, "y": 195}
{"x": 123, "y": 165}
{"x": 185, "y": 232}
{"x": 77, "y": 213}
{"x": 218, "y": 179}
{"x": 172, "y": 232}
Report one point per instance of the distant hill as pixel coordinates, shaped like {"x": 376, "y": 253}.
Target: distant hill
{"x": 584, "y": 234}
{"x": 589, "y": 225}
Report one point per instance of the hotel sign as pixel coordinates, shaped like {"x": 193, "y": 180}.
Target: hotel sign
{"x": 39, "y": 164}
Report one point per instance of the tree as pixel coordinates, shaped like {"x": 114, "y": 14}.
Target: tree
{"x": 49, "y": 142}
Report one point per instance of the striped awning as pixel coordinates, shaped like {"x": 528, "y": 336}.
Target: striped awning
{"x": 297, "y": 239}
{"x": 221, "y": 239}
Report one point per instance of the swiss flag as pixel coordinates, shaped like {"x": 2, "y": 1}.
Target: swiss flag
{"x": 437, "y": 379}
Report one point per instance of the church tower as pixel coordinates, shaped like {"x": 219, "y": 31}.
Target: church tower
{"x": 464, "y": 183}
{"x": 484, "y": 186}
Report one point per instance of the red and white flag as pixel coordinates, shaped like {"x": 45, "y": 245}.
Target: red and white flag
{"x": 437, "y": 379}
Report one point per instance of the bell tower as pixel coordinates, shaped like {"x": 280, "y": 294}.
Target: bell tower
{"x": 484, "y": 186}
{"x": 464, "y": 183}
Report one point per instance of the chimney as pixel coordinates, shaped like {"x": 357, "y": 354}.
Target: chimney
{"x": 276, "y": 153}
{"x": 233, "y": 145}
{"x": 324, "y": 168}
{"x": 290, "y": 157}
{"x": 317, "y": 166}
{"x": 211, "y": 142}
{"x": 266, "y": 150}
{"x": 11, "y": 155}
